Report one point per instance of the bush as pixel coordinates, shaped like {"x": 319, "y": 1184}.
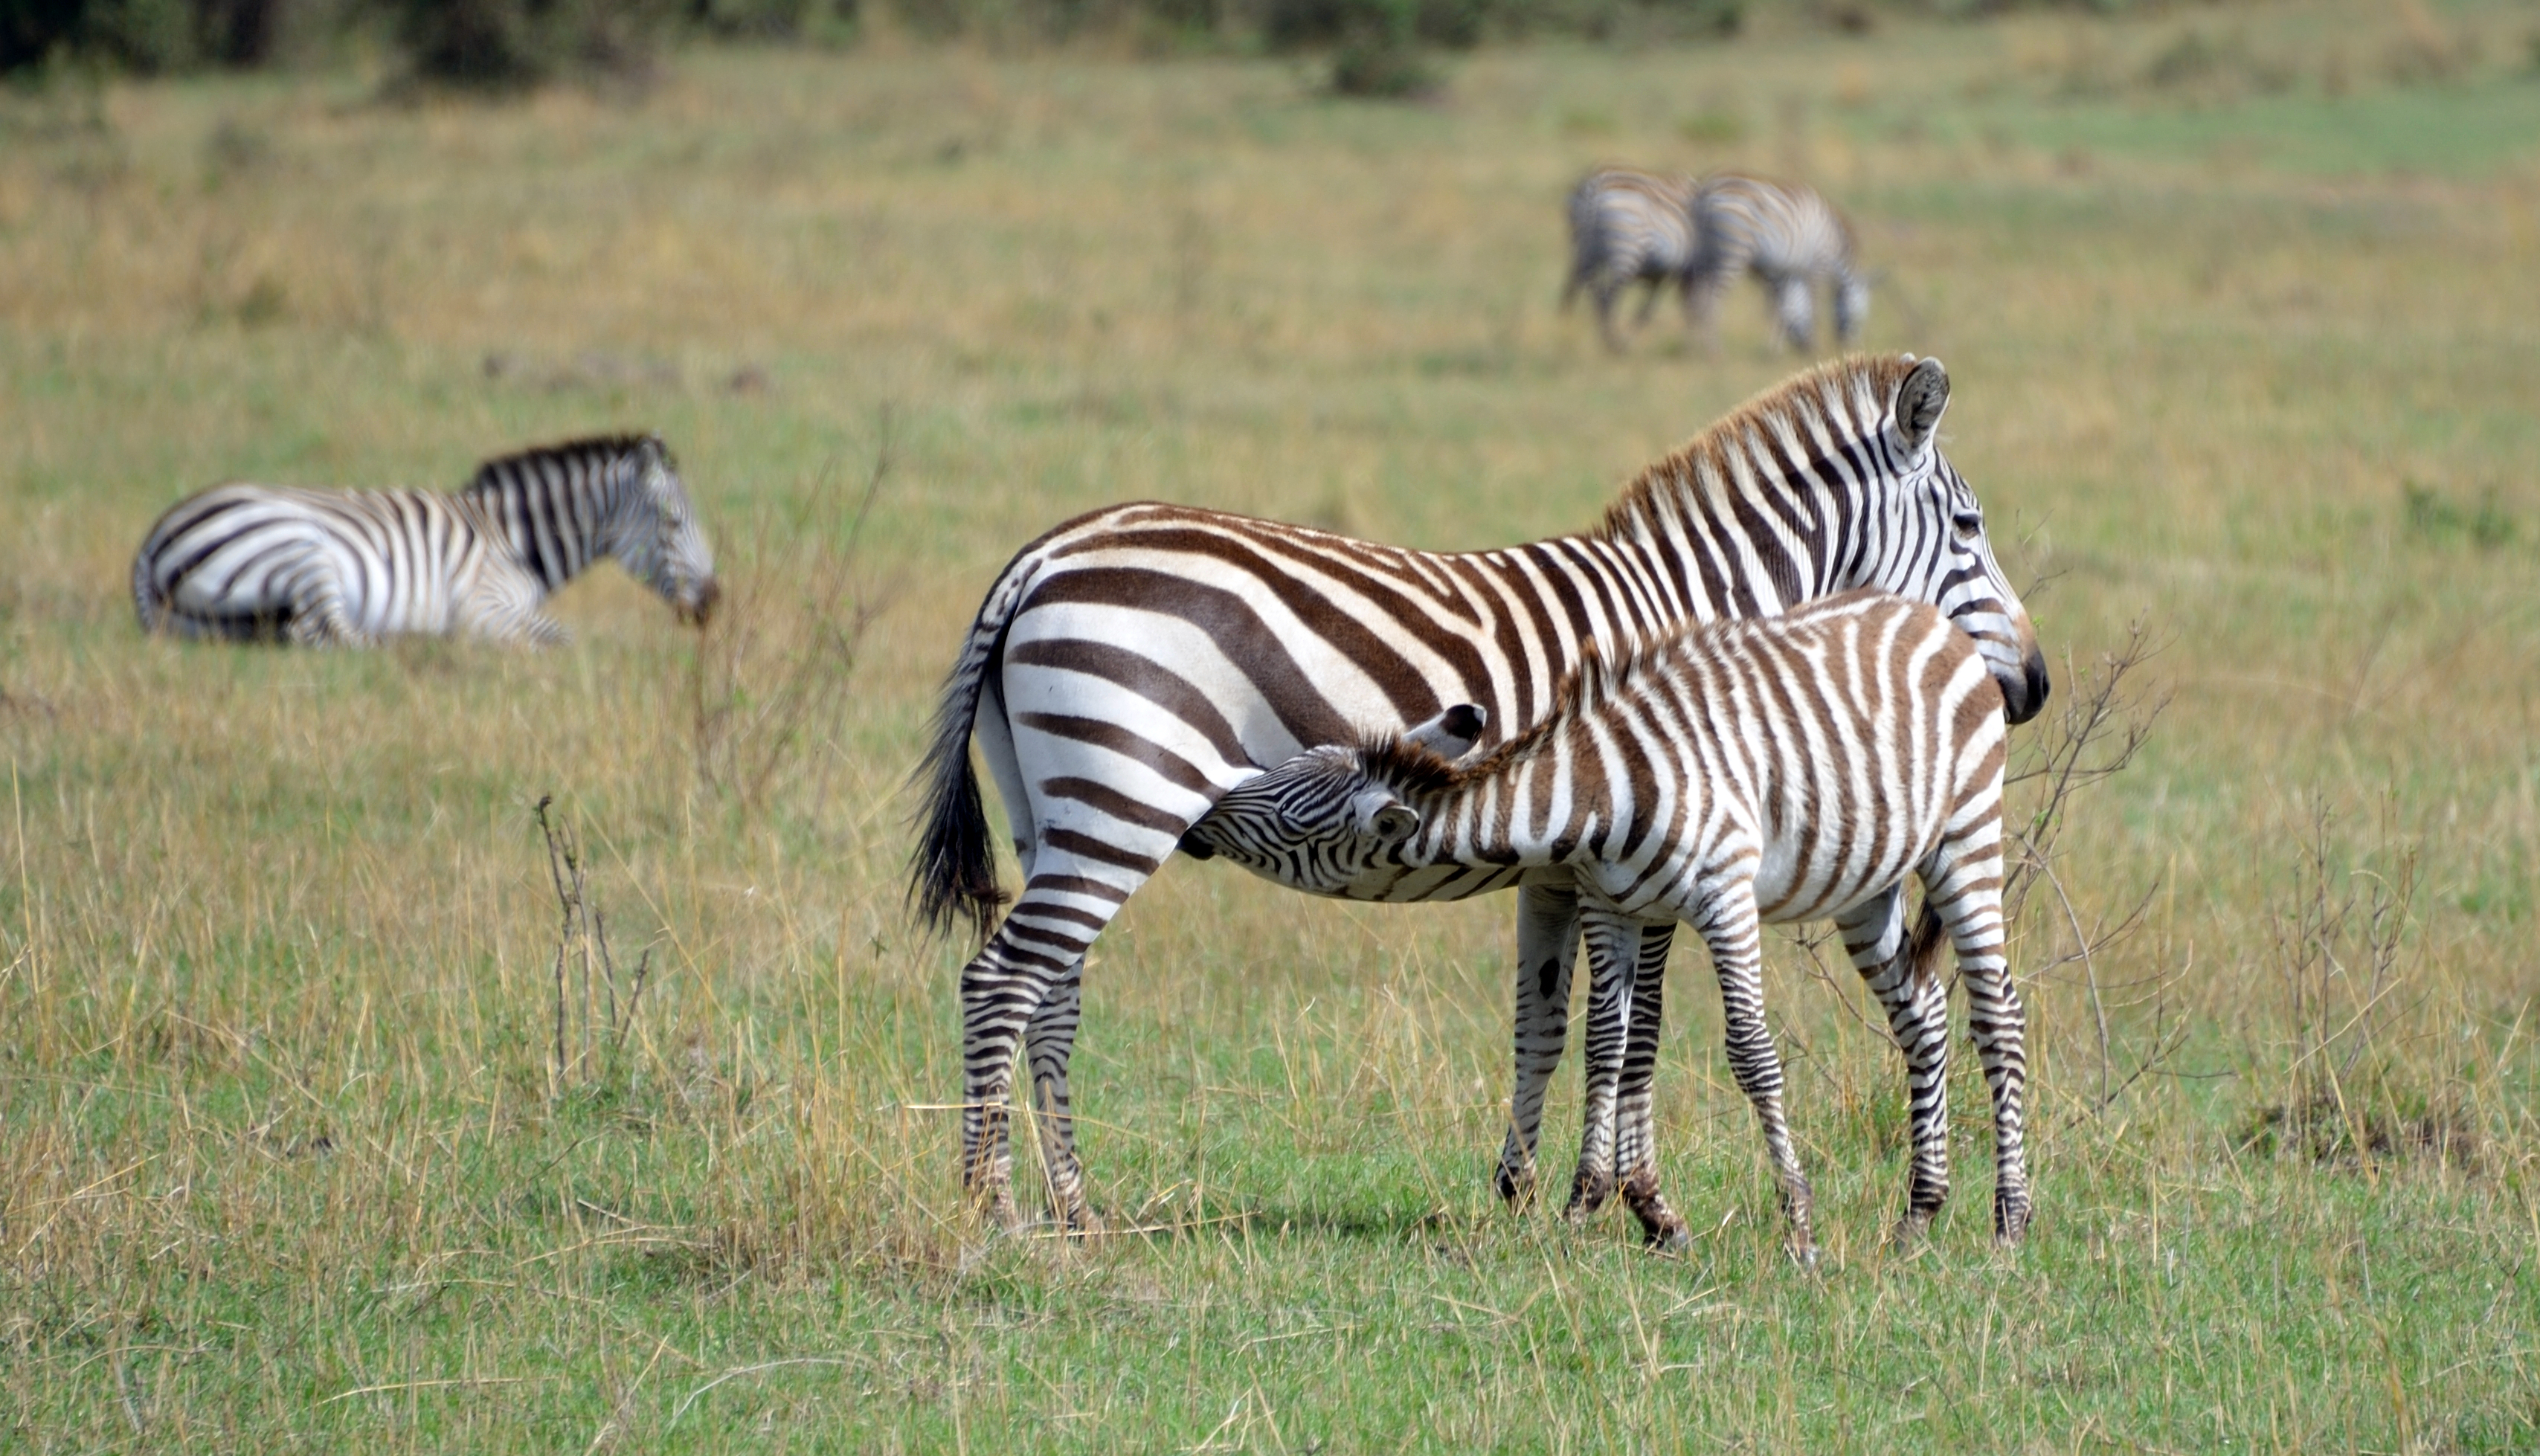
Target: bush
{"x": 1382, "y": 70}
{"x": 512, "y": 44}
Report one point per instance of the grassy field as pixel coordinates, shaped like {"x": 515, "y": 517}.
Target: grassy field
{"x": 2239, "y": 305}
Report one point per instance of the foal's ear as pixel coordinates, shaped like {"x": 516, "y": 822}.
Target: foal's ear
{"x": 1919, "y": 400}
{"x": 1453, "y": 734}
{"x": 1384, "y": 818}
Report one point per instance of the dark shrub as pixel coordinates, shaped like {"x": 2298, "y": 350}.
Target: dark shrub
{"x": 510, "y": 45}
{"x": 1382, "y": 70}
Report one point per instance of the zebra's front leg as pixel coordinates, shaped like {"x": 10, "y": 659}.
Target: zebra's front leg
{"x": 1612, "y": 944}
{"x": 1896, "y": 969}
{"x": 1795, "y": 309}
{"x": 1635, "y": 1151}
{"x": 1734, "y": 931}
{"x": 1547, "y": 947}
{"x": 1049, "y": 1041}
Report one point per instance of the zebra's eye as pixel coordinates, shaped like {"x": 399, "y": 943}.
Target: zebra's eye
{"x": 1967, "y": 526}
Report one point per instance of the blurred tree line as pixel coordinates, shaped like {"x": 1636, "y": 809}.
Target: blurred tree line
{"x": 510, "y": 45}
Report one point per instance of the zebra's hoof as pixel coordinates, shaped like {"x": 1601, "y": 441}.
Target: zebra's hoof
{"x": 1515, "y": 1186}
{"x": 1911, "y": 1233}
{"x": 1587, "y": 1193}
{"x": 2009, "y": 1223}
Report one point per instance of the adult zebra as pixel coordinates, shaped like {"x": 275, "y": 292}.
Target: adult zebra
{"x": 1129, "y": 667}
{"x": 1629, "y": 227}
{"x": 348, "y": 568}
{"x": 1791, "y": 238}
{"x": 1735, "y": 775}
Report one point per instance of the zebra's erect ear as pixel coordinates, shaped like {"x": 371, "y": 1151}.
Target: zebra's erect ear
{"x": 1919, "y": 404}
{"x": 1453, "y": 734}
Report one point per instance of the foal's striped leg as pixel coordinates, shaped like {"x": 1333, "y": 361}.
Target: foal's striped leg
{"x": 1635, "y": 1148}
{"x": 1612, "y": 947}
{"x": 1918, "y": 1017}
{"x": 1733, "y": 929}
{"x": 1966, "y": 892}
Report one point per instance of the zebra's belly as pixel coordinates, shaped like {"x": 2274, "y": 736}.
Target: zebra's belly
{"x": 1812, "y": 878}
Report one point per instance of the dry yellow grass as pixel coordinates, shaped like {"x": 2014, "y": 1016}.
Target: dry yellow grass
{"x": 2249, "y": 358}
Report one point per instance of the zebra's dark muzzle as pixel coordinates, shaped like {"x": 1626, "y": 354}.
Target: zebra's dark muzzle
{"x": 695, "y": 613}
{"x": 2035, "y": 688}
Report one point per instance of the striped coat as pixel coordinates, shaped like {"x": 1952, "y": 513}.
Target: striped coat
{"x": 1744, "y": 773}
{"x": 1132, "y": 665}
{"x": 1629, "y": 227}
{"x": 1791, "y": 238}
{"x": 349, "y": 568}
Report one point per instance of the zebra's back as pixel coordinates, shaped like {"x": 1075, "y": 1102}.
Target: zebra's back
{"x": 1834, "y": 745}
{"x": 249, "y": 561}
{"x": 1777, "y": 228}
{"x": 1627, "y": 224}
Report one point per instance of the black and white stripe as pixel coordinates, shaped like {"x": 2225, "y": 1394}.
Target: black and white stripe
{"x": 1741, "y": 774}
{"x": 1791, "y": 238}
{"x": 1132, "y": 665}
{"x": 1629, "y": 227}
{"x": 348, "y": 568}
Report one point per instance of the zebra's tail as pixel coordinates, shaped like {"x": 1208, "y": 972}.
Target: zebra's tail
{"x": 953, "y": 875}
{"x": 1928, "y": 947}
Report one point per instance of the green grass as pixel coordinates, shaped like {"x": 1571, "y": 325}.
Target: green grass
{"x": 282, "y": 1162}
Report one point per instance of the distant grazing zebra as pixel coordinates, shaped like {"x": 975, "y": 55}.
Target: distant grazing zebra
{"x": 1791, "y": 238}
{"x": 1133, "y": 664}
{"x": 347, "y": 567}
{"x": 1629, "y": 227}
{"x": 1744, "y": 773}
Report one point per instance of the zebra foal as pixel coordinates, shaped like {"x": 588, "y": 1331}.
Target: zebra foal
{"x": 1629, "y": 227}
{"x": 1790, "y": 237}
{"x": 1744, "y": 773}
{"x": 348, "y": 568}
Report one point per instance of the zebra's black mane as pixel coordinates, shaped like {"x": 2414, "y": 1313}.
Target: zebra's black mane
{"x": 1866, "y": 384}
{"x": 591, "y": 447}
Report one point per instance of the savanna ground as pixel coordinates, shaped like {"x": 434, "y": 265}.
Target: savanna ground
{"x": 2239, "y": 305}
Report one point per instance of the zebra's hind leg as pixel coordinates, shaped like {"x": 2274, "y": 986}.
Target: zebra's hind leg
{"x": 1547, "y": 948}
{"x": 1607, "y": 289}
{"x": 1898, "y": 972}
{"x": 1963, "y": 888}
{"x": 1049, "y": 1040}
{"x": 1003, "y": 989}
{"x": 1733, "y": 929}
{"x": 1612, "y": 945}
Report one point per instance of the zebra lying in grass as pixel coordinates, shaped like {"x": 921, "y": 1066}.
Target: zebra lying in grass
{"x": 1790, "y": 237}
{"x": 348, "y": 568}
{"x": 1746, "y": 772}
{"x": 1629, "y": 227}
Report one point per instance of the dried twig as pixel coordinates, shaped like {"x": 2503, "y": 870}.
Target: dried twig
{"x": 582, "y": 934}
{"x": 749, "y": 710}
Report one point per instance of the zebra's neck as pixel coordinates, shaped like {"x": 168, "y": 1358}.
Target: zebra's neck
{"x": 1769, "y": 507}
{"x": 556, "y": 509}
{"x": 1528, "y": 804}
